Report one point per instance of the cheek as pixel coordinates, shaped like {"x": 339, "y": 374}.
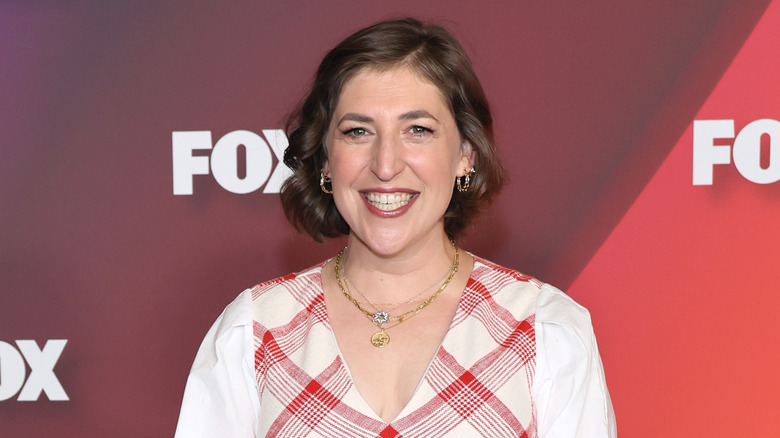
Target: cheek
{"x": 439, "y": 175}
{"x": 345, "y": 169}
{"x": 455, "y": 164}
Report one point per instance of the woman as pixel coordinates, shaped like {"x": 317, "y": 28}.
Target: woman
{"x": 402, "y": 333}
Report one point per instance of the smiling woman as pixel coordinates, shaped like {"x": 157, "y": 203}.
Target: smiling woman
{"x": 402, "y": 333}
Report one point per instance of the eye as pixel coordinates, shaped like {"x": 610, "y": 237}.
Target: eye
{"x": 356, "y": 132}
{"x": 419, "y": 130}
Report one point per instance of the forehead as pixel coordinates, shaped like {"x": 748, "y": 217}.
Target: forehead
{"x": 399, "y": 86}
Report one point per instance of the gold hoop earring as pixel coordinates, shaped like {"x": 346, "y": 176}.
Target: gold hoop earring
{"x": 325, "y": 179}
{"x": 463, "y": 183}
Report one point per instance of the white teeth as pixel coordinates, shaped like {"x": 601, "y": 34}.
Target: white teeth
{"x": 388, "y": 201}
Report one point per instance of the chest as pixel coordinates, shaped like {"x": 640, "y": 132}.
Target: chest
{"x": 387, "y": 376}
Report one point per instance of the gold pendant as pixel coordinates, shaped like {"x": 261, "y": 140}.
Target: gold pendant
{"x": 380, "y": 339}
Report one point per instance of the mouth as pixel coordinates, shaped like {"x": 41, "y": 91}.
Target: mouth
{"x": 388, "y": 201}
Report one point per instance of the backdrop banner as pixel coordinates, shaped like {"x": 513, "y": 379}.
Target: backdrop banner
{"x": 140, "y": 170}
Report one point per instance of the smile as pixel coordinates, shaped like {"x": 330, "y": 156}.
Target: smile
{"x": 388, "y": 201}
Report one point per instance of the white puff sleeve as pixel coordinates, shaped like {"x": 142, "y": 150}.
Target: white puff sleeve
{"x": 570, "y": 392}
{"x": 221, "y": 397}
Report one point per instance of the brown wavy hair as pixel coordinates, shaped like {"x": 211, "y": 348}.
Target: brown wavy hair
{"x": 436, "y": 55}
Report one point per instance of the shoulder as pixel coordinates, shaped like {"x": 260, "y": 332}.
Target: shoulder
{"x": 493, "y": 285}
{"x": 293, "y": 283}
{"x": 277, "y": 302}
{"x": 269, "y": 295}
{"x": 497, "y": 279}
{"x": 551, "y": 306}
{"x": 487, "y": 271}
{"x": 554, "y": 307}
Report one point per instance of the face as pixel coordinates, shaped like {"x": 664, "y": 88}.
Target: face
{"x": 394, "y": 151}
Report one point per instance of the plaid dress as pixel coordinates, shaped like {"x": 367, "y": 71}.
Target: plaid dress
{"x": 478, "y": 383}
{"x": 520, "y": 360}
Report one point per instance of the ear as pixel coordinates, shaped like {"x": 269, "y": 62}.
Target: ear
{"x": 325, "y": 154}
{"x": 325, "y": 167}
{"x": 467, "y": 156}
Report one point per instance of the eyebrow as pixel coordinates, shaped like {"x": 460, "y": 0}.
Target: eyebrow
{"x": 417, "y": 114}
{"x": 410, "y": 115}
{"x": 354, "y": 117}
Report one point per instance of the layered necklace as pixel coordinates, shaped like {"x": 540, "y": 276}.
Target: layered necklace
{"x": 380, "y": 317}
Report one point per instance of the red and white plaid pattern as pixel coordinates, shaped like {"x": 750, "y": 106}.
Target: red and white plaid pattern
{"x": 478, "y": 384}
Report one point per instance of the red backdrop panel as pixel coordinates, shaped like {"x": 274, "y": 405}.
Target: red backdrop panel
{"x": 689, "y": 279}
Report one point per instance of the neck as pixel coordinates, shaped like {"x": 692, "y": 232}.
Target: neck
{"x": 394, "y": 276}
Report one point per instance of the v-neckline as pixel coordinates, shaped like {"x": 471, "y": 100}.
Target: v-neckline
{"x": 406, "y": 409}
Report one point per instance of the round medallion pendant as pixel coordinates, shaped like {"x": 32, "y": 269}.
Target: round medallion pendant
{"x": 380, "y": 339}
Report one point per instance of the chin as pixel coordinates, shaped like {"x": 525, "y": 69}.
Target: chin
{"x": 387, "y": 243}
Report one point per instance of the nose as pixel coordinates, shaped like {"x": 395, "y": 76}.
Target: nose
{"x": 388, "y": 157}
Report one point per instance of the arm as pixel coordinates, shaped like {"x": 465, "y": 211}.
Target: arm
{"x": 221, "y": 397}
{"x": 570, "y": 392}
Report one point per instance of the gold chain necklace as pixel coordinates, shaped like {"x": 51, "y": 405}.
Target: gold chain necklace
{"x": 380, "y": 338}
{"x": 381, "y": 316}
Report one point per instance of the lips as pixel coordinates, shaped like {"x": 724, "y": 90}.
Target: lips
{"x": 388, "y": 201}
